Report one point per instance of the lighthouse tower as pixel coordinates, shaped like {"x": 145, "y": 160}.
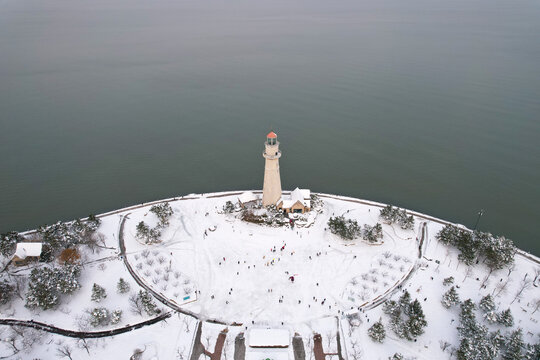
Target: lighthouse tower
{"x": 272, "y": 180}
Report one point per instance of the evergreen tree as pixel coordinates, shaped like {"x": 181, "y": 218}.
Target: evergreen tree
{"x": 47, "y": 284}
{"x": 376, "y": 332}
{"x": 98, "y": 293}
{"x": 448, "y": 281}
{"x": 228, "y": 208}
{"x": 6, "y": 292}
{"x": 450, "y": 298}
{"x": 466, "y": 317}
{"x": 417, "y": 320}
{"x": 404, "y": 302}
{"x": 123, "y": 286}
{"x": 143, "y": 230}
{"x": 8, "y": 242}
{"x": 505, "y": 318}
{"x": 487, "y": 304}
{"x": 163, "y": 212}
{"x": 116, "y": 316}
{"x": 392, "y": 309}
{"x": 514, "y": 344}
{"x": 100, "y": 317}
{"x": 532, "y": 352}
{"x": 396, "y": 356}
{"x": 448, "y": 235}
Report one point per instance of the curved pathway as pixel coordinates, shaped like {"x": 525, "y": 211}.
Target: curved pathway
{"x": 83, "y": 334}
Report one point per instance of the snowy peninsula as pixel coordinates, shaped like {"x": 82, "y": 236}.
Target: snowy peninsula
{"x": 211, "y": 276}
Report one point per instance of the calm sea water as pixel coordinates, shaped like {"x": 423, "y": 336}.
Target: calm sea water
{"x": 427, "y": 104}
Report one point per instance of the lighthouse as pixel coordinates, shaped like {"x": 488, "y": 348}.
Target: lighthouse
{"x": 272, "y": 180}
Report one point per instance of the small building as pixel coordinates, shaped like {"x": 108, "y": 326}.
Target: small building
{"x": 299, "y": 201}
{"x": 248, "y": 200}
{"x": 27, "y": 252}
{"x": 268, "y": 338}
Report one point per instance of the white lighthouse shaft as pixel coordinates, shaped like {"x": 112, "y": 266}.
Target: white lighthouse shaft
{"x": 272, "y": 180}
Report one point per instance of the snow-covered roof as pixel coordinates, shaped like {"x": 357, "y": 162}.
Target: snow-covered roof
{"x": 246, "y": 197}
{"x": 267, "y": 355}
{"x": 28, "y": 249}
{"x": 268, "y": 338}
{"x": 302, "y": 195}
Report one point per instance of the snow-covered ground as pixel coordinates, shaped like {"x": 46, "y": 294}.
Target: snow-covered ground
{"x": 243, "y": 271}
{"x": 218, "y": 267}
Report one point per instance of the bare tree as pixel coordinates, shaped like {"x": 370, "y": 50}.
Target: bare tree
{"x": 468, "y": 273}
{"x": 444, "y": 345}
{"x": 356, "y": 351}
{"x": 186, "y": 323}
{"x": 64, "y": 351}
{"x": 135, "y": 304}
{"x": 525, "y": 284}
{"x": 536, "y": 305}
{"x": 501, "y": 288}
{"x": 84, "y": 344}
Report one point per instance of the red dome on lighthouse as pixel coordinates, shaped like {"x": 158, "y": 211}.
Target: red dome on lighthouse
{"x": 271, "y": 135}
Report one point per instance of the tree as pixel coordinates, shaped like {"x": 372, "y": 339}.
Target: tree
{"x": 46, "y": 285}
{"x": 228, "y": 208}
{"x": 6, "y": 291}
{"x": 163, "y": 212}
{"x": 8, "y": 242}
{"x": 64, "y": 351}
{"x": 396, "y": 356}
{"x": 148, "y": 303}
{"x": 135, "y": 304}
{"x": 514, "y": 343}
{"x": 487, "y": 304}
{"x": 372, "y": 233}
{"x": 346, "y": 228}
{"x": 116, "y": 316}
{"x": 499, "y": 252}
{"x": 417, "y": 321}
{"x": 505, "y": 318}
{"x": 123, "y": 286}
{"x": 376, "y": 332}
{"x": 448, "y": 281}
{"x": 532, "y": 352}
{"x": 450, "y": 298}
{"x": 98, "y": 293}
{"x": 99, "y": 316}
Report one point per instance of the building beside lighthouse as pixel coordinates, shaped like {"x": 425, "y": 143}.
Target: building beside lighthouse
{"x": 298, "y": 201}
{"x": 272, "y": 179}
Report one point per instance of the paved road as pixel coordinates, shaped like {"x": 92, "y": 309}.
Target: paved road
{"x": 240, "y": 347}
{"x": 298, "y": 347}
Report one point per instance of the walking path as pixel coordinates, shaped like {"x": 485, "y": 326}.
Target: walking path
{"x": 83, "y": 334}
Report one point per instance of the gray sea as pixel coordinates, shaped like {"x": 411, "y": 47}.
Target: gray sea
{"x": 426, "y": 104}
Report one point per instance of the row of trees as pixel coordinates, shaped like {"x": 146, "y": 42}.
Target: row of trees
{"x": 349, "y": 229}
{"x": 407, "y": 318}
{"x": 150, "y": 235}
{"x": 498, "y": 251}
{"x": 391, "y": 215}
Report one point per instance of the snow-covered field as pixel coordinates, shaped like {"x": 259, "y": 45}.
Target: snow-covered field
{"x": 302, "y": 279}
